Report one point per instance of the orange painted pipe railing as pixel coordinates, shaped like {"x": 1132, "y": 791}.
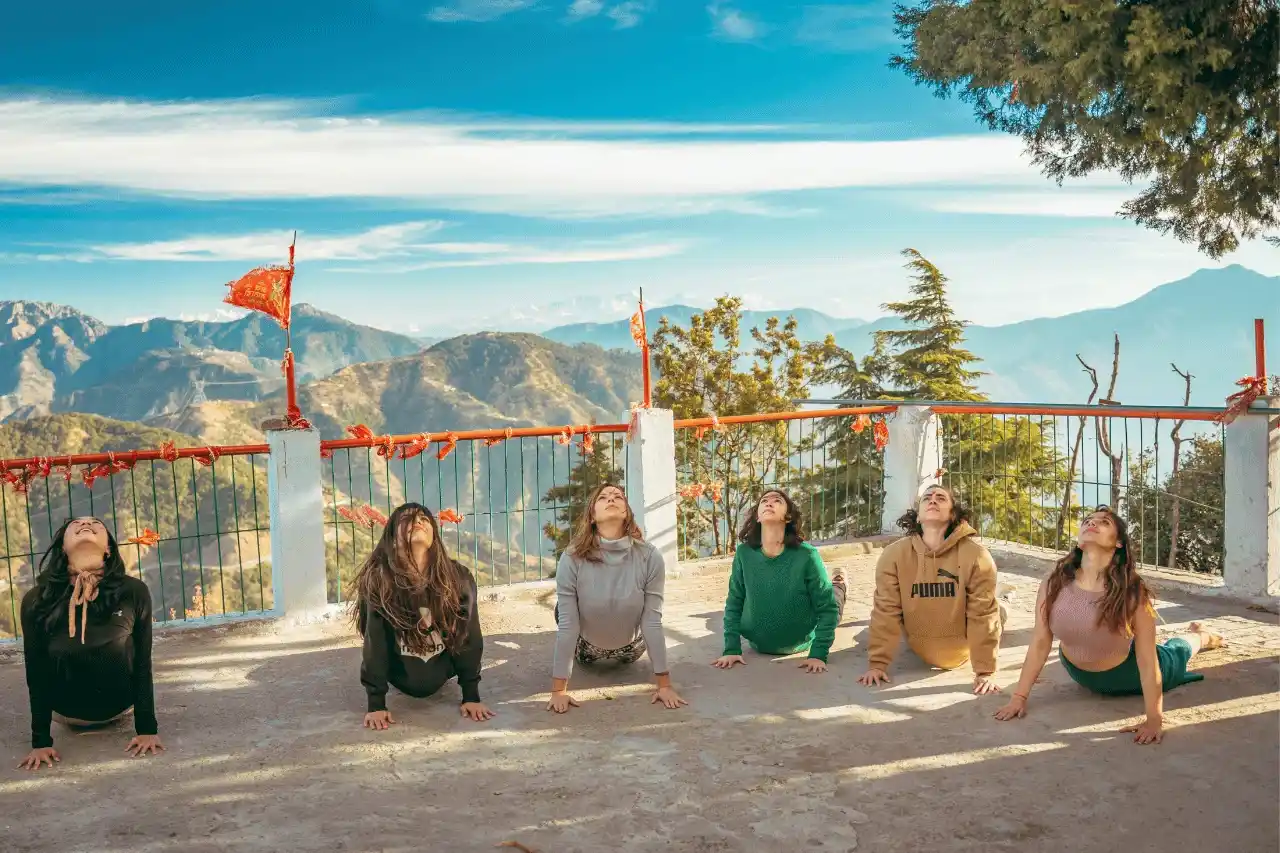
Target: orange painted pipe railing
{"x": 473, "y": 435}
{"x": 773, "y": 417}
{"x": 132, "y": 456}
{"x": 1153, "y": 413}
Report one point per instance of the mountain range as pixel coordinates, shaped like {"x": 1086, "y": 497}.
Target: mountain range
{"x": 217, "y": 381}
{"x": 1203, "y": 323}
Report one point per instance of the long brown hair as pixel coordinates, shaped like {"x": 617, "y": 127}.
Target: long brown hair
{"x": 909, "y": 521}
{"x": 793, "y": 533}
{"x": 1126, "y": 592}
{"x": 390, "y": 583}
{"x": 585, "y": 542}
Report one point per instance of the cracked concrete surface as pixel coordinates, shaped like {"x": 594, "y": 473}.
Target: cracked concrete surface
{"x": 266, "y": 751}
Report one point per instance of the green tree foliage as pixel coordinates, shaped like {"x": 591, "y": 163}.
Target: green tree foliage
{"x": 706, "y": 370}
{"x": 1197, "y": 491}
{"x": 928, "y": 361}
{"x": 1183, "y": 95}
{"x": 212, "y": 521}
{"x": 604, "y": 464}
{"x": 1006, "y": 468}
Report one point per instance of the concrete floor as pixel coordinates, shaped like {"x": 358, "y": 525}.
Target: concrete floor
{"x": 266, "y": 751}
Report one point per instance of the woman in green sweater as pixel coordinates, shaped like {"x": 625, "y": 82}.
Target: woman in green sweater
{"x": 780, "y": 597}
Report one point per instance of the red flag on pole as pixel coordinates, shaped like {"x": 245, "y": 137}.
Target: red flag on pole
{"x": 265, "y": 289}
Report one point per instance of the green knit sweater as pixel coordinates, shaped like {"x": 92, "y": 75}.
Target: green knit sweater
{"x": 782, "y": 605}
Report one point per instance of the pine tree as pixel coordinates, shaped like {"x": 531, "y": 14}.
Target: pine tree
{"x": 1006, "y": 468}
{"x": 602, "y": 464}
{"x": 929, "y": 361}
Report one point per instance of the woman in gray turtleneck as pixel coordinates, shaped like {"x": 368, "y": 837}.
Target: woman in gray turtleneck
{"x": 609, "y": 587}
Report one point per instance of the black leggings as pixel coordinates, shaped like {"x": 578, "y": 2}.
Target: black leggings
{"x": 423, "y": 678}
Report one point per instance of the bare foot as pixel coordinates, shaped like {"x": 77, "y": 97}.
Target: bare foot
{"x": 1208, "y": 639}
{"x": 837, "y": 579}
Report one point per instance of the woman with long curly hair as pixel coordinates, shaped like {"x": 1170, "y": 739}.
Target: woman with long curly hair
{"x": 1100, "y": 610}
{"x": 86, "y": 641}
{"x": 780, "y": 597}
{"x": 938, "y": 586}
{"x": 415, "y": 607}
{"x": 609, "y": 591}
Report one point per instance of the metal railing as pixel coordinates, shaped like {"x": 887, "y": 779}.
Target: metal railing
{"x": 517, "y": 491}
{"x": 198, "y": 518}
{"x": 828, "y": 461}
{"x": 1030, "y": 473}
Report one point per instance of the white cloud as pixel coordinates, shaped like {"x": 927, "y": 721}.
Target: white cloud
{"x": 476, "y": 10}
{"x": 1100, "y": 204}
{"x": 729, "y": 23}
{"x": 386, "y": 241}
{"x": 497, "y": 254}
{"x": 629, "y": 14}
{"x": 249, "y": 150}
{"x": 397, "y": 248}
{"x": 847, "y": 28}
{"x": 580, "y": 9}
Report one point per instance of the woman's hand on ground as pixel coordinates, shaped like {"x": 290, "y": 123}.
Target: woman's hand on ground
{"x": 813, "y": 665}
{"x": 477, "y": 711}
{"x": 984, "y": 684}
{"x": 1014, "y": 709}
{"x": 1150, "y": 730}
{"x": 378, "y": 720}
{"x": 728, "y": 661}
{"x": 37, "y": 757}
{"x": 668, "y": 697}
{"x": 873, "y": 676}
{"x": 561, "y": 702}
{"x": 145, "y": 745}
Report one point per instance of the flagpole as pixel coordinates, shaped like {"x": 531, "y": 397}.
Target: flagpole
{"x": 292, "y": 412}
{"x": 644, "y": 355}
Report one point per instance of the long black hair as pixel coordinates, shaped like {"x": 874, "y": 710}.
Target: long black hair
{"x": 53, "y": 584}
{"x": 793, "y": 534}
{"x": 391, "y": 584}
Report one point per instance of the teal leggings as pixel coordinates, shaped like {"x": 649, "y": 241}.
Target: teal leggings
{"x": 1125, "y": 680}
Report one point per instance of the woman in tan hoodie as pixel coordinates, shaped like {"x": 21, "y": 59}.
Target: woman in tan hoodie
{"x": 939, "y": 585}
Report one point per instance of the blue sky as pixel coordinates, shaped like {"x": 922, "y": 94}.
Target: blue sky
{"x": 521, "y": 163}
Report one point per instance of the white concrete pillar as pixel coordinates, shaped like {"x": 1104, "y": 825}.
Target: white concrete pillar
{"x": 651, "y": 480}
{"x": 297, "y": 525}
{"x": 911, "y": 461}
{"x": 1252, "y": 461}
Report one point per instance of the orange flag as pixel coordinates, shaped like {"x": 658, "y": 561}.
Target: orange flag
{"x": 265, "y": 289}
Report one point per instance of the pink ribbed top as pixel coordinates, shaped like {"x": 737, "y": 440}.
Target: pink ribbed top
{"x": 1074, "y": 621}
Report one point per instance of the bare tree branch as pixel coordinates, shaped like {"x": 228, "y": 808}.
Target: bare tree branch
{"x": 1176, "y": 435}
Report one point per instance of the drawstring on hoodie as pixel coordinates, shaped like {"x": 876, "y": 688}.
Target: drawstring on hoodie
{"x": 83, "y": 590}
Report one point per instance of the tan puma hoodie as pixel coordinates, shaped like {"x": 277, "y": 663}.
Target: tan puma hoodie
{"x": 944, "y": 599}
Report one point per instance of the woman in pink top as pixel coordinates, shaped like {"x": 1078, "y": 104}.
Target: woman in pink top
{"x": 1097, "y": 606}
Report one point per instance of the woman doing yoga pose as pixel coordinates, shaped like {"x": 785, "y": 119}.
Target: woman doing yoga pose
{"x": 415, "y": 607}
{"x": 86, "y": 639}
{"x": 1100, "y": 610}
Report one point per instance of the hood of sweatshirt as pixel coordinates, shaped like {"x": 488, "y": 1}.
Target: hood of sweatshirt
{"x": 962, "y": 532}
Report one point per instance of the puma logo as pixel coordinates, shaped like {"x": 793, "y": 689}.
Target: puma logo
{"x": 946, "y": 574}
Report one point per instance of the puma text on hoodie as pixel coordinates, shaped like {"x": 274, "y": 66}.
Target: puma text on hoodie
{"x": 945, "y": 600}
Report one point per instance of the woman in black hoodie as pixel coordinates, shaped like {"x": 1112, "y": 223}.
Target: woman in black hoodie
{"x": 415, "y": 606}
{"x": 86, "y": 639}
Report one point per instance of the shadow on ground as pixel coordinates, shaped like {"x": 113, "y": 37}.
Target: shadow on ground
{"x": 266, "y": 753}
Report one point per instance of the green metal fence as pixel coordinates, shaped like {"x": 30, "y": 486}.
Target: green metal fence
{"x": 517, "y": 495}
{"x": 211, "y": 552}
{"x": 828, "y": 461}
{"x": 1030, "y": 475}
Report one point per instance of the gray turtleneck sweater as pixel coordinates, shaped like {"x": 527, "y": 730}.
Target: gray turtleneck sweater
{"x": 610, "y": 603}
